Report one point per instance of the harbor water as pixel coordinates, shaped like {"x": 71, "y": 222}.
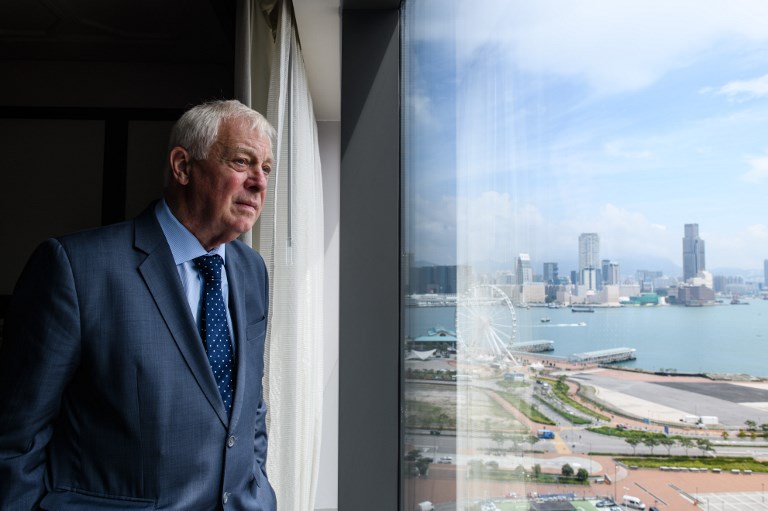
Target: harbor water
{"x": 720, "y": 338}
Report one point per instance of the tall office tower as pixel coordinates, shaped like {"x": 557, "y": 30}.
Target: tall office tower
{"x": 589, "y": 257}
{"x": 604, "y": 267}
{"x": 693, "y": 252}
{"x": 610, "y": 272}
{"x": 550, "y": 273}
{"x": 765, "y": 273}
{"x": 524, "y": 271}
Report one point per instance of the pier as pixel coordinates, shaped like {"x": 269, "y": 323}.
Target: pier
{"x": 603, "y": 356}
{"x": 533, "y": 346}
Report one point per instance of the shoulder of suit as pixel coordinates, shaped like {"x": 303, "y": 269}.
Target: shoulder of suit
{"x": 239, "y": 249}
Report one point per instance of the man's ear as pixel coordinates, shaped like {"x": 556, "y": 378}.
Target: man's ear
{"x": 181, "y": 162}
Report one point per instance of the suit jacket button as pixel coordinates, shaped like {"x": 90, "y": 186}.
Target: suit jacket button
{"x": 231, "y": 441}
{"x": 225, "y": 498}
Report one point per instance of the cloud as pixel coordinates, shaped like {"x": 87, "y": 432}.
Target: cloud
{"x": 745, "y": 248}
{"x": 423, "y": 111}
{"x": 612, "y": 46}
{"x": 743, "y": 90}
{"x": 758, "y": 171}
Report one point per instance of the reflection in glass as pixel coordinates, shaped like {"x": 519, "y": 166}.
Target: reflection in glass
{"x": 585, "y": 253}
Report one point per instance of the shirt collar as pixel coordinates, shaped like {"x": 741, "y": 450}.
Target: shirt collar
{"x": 184, "y": 245}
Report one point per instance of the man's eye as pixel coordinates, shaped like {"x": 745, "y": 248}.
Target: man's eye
{"x": 266, "y": 170}
{"x": 240, "y": 161}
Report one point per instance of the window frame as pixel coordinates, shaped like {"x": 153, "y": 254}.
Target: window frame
{"x": 370, "y": 436}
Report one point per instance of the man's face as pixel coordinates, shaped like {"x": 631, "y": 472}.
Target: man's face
{"x": 225, "y": 192}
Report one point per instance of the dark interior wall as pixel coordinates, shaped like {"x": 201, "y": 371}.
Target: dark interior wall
{"x": 84, "y": 120}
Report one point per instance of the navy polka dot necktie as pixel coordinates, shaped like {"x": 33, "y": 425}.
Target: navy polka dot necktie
{"x": 214, "y": 328}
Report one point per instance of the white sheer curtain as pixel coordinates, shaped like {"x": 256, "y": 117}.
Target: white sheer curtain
{"x": 290, "y": 237}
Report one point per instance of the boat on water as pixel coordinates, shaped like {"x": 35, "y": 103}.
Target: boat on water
{"x": 582, "y": 308}
{"x": 545, "y": 319}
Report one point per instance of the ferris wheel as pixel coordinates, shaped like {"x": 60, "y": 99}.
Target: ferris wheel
{"x": 486, "y": 324}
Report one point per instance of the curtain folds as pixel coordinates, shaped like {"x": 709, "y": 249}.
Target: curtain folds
{"x": 289, "y": 236}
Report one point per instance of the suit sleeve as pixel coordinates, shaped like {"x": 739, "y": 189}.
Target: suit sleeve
{"x": 260, "y": 437}
{"x": 39, "y": 354}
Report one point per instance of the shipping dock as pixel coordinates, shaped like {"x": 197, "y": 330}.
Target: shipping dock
{"x": 604, "y": 356}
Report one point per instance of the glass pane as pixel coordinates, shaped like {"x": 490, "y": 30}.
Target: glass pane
{"x": 585, "y": 254}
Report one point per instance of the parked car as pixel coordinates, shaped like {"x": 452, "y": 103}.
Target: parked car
{"x": 633, "y": 502}
{"x": 445, "y": 459}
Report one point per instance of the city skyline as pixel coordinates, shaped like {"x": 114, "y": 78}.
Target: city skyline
{"x": 589, "y": 256}
{"x": 567, "y": 121}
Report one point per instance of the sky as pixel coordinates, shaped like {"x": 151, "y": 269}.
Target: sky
{"x": 528, "y": 123}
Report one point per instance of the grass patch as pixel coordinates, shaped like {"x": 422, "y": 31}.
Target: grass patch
{"x": 560, "y": 389}
{"x": 625, "y": 433}
{"x": 575, "y": 419}
{"x": 528, "y": 409}
{"x": 725, "y": 463}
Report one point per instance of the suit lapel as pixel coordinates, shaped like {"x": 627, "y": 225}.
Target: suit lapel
{"x": 161, "y": 278}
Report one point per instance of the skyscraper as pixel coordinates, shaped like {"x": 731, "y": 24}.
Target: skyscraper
{"x": 611, "y": 273}
{"x": 765, "y": 272}
{"x": 693, "y": 252}
{"x": 524, "y": 271}
{"x": 550, "y": 273}
{"x": 589, "y": 257}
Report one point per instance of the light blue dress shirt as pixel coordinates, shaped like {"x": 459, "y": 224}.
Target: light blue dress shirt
{"x": 185, "y": 247}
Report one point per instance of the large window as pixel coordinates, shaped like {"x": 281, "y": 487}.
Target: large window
{"x": 584, "y": 298}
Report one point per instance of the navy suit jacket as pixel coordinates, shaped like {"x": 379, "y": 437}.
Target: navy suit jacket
{"x": 107, "y": 399}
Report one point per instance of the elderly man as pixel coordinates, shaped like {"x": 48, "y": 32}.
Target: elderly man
{"x": 132, "y": 362}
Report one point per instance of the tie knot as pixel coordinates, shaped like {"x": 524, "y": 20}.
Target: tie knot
{"x": 209, "y": 267}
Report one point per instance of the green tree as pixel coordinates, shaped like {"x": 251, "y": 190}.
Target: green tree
{"x": 725, "y": 435}
{"x": 650, "y": 442}
{"x": 633, "y": 441}
{"x": 413, "y": 455}
{"x": 442, "y": 420}
{"x": 567, "y": 470}
{"x": 422, "y": 464}
{"x": 582, "y": 474}
{"x": 704, "y": 444}
{"x": 536, "y": 471}
{"x": 499, "y": 438}
{"x": 668, "y": 442}
{"x": 686, "y": 443}
{"x": 750, "y": 424}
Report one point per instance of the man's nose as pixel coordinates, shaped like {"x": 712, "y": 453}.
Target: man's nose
{"x": 258, "y": 180}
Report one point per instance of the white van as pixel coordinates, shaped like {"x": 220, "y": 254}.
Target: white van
{"x": 425, "y": 506}
{"x": 633, "y": 502}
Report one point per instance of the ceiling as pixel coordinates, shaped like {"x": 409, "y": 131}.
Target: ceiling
{"x": 190, "y": 32}
{"x": 319, "y": 23}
